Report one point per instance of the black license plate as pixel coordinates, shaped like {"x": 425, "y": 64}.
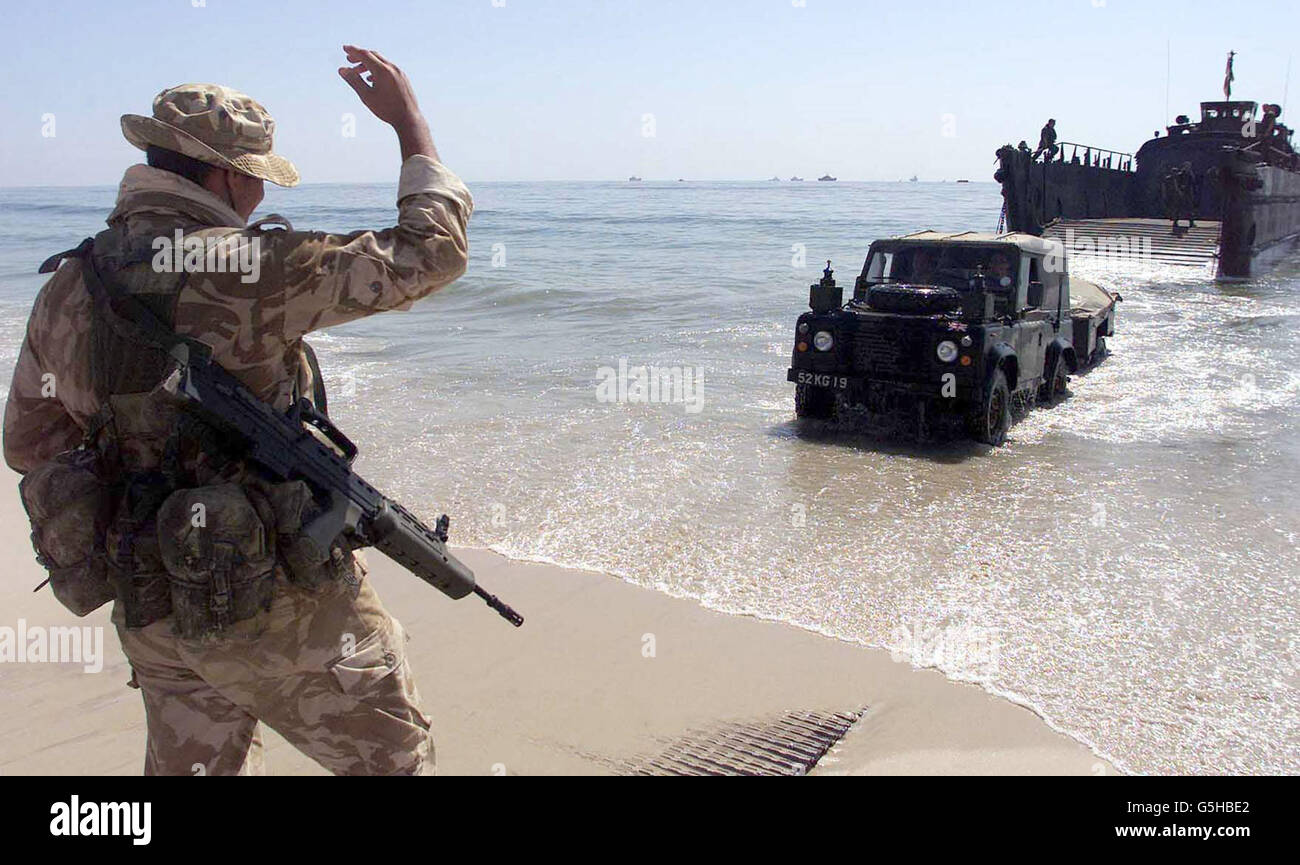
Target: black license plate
{"x": 820, "y": 379}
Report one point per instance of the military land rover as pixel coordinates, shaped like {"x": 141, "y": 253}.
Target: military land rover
{"x": 948, "y": 332}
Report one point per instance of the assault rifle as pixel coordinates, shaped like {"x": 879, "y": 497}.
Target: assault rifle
{"x": 282, "y": 445}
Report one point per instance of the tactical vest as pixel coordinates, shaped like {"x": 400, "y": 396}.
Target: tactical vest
{"x": 155, "y": 510}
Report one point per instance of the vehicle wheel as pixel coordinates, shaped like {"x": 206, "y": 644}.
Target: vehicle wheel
{"x": 989, "y": 424}
{"x": 817, "y": 403}
{"x": 1053, "y": 387}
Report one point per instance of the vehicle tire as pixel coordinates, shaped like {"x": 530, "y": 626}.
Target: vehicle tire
{"x": 816, "y": 403}
{"x": 1054, "y": 385}
{"x": 915, "y": 299}
{"x": 990, "y": 422}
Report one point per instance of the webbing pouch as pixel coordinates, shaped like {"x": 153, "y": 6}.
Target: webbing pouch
{"x": 219, "y": 559}
{"x": 69, "y": 500}
{"x": 309, "y": 563}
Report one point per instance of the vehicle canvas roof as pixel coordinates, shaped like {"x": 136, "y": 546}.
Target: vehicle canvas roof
{"x": 1089, "y": 297}
{"x": 1026, "y": 242}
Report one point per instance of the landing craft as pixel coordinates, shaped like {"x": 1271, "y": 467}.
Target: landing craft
{"x": 1224, "y": 189}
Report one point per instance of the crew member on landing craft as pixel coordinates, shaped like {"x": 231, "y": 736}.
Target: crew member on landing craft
{"x": 1047, "y": 141}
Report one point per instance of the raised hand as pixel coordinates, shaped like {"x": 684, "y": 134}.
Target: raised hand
{"x": 387, "y": 92}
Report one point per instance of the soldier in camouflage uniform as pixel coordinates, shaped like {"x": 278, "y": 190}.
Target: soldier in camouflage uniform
{"x": 325, "y": 666}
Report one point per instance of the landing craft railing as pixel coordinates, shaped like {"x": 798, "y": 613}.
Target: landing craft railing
{"x": 1098, "y": 157}
{"x": 1273, "y": 155}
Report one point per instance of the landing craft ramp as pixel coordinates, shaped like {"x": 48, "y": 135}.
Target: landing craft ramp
{"x": 1138, "y": 238}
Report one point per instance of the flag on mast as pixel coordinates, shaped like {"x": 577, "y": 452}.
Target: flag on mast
{"x": 1228, "y": 77}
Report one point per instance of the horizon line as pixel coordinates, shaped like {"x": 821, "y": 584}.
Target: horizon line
{"x": 481, "y": 180}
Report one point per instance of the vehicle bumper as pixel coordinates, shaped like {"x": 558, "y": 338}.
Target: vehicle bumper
{"x": 883, "y": 394}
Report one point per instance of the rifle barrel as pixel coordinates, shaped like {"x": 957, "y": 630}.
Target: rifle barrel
{"x": 500, "y": 606}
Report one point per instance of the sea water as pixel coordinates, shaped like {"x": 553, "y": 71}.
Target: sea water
{"x": 1125, "y": 565}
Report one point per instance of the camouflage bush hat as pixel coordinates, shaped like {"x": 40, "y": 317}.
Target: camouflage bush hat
{"x": 216, "y": 125}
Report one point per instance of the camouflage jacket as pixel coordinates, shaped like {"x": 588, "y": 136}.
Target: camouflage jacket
{"x": 252, "y": 311}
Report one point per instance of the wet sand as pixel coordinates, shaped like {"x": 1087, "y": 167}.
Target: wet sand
{"x": 572, "y": 692}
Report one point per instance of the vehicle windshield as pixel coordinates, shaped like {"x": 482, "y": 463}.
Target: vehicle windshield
{"x": 959, "y": 267}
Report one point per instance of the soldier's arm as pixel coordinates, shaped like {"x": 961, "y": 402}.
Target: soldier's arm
{"x": 36, "y": 424}
{"x": 328, "y": 279}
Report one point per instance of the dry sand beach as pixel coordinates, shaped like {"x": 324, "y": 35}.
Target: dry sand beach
{"x": 572, "y": 692}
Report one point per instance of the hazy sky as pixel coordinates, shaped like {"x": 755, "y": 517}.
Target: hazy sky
{"x": 562, "y": 89}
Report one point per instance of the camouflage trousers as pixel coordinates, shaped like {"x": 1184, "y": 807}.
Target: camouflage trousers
{"x": 325, "y": 670}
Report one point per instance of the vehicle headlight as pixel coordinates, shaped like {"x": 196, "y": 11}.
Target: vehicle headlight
{"x": 947, "y": 351}
{"x": 823, "y": 341}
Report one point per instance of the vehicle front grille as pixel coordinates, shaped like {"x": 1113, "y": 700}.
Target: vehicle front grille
{"x": 890, "y": 352}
